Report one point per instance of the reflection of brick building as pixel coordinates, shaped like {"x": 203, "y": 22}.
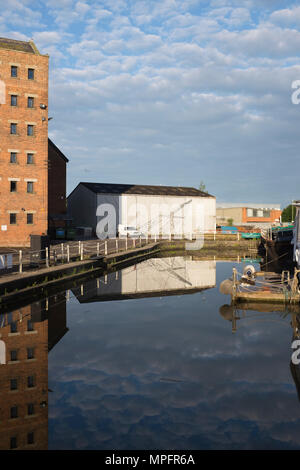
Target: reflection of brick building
{"x": 24, "y": 342}
{"x": 259, "y": 215}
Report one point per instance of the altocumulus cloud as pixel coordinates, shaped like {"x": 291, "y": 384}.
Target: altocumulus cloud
{"x": 192, "y": 90}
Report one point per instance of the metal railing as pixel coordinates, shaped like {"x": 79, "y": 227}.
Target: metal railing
{"x": 20, "y": 261}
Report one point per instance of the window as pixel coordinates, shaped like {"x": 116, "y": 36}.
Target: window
{"x": 30, "y": 438}
{"x": 13, "y": 384}
{"x": 13, "y": 327}
{"x": 30, "y": 409}
{"x": 29, "y": 158}
{"x": 29, "y": 186}
{"x": 13, "y": 128}
{"x": 12, "y": 219}
{"x": 14, "y": 412}
{"x": 30, "y": 129}
{"x": 13, "y": 100}
{"x": 13, "y": 71}
{"x": 13, "y": 186}
{"x": 14, "y": 355}
{"x": 29, "y": 221}
{"x": 30, "y": 74}
{"x": 30, "y": 353}
{"x": 30, "y": 381}
{"x": 30, "y": 102}
{"x": 13, "y": 442}
{"x": 13, "y": 157}
{"x": 30, "y": 322}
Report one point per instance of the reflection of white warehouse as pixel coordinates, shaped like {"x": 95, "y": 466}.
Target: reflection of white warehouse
{"x": 154, "y": 210}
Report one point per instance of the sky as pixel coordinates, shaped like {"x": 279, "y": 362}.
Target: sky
{"x": 172, "y": 92}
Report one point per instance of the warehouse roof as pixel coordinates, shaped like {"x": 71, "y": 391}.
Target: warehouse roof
{"x": 56, "y": 149}
{"x": 23, "y": 46}
{"x": 106, "y": 188}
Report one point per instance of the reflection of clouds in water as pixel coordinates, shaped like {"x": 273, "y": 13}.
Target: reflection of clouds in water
{"x": 232, "y": 391}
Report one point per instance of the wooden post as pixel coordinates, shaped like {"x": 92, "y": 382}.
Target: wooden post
{"x": 133, "y": 242}
{"x": 238, "y": 235}
{"x": 117, "y": 245}
{"x": 98, "y": 248}
{"x": 126, "y": 243}
{"x": 234, "y": 284}
{"x": 20, "y": 262}
{"x": 105, "y": 247}
{"x": 79, "y": 249}
{"x": 68, "y": 254}
{"x": 62, "y": 252}
{"x": 81, "y": 252}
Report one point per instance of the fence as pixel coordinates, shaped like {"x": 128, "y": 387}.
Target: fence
{"x": 62, "y": 253}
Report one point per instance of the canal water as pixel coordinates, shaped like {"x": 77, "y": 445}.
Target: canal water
{"x": 152, "y": 357}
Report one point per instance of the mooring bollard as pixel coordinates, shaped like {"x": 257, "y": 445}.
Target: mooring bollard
{"x": 20, "y": 262}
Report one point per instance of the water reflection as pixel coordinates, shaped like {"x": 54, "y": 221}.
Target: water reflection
{"x": 26, "y": 336}
{"x": 234, "y": 314}
{"x": 160, "y": 370}
{"x": 154, "y": 277}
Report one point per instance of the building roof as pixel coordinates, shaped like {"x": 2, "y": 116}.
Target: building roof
{"x": 56, "y": 149}
{"x": 250, "y": 205}
{"x": 15, "y": 45}
{"x": 106, "y": 188}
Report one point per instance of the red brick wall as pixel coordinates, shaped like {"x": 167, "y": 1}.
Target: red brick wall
{"x": 21, "y": 202}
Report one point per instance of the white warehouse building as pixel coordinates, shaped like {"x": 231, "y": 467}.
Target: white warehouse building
{"x": 153, "y": 210}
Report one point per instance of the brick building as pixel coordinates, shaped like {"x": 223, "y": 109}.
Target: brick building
{"x": 57, "y": 203}
{"x": 26, "y": 170}
{"x": 248, "y": 214}
{"x": 23, "y": 142}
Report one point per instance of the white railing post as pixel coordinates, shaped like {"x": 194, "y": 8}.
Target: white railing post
{"x": 68, "y": 253}
{"x": 134, "y": 242}
{"x": 98, "y": 248}
{"x": 81, "y": 252}
{"x": 117, "y": 245}
{"x": 79, "y": 248}
{"x": 20, "y": 262}
{"x": 126, "y": 244}
{"x": 47, "y": 257}
{"x": 105, "y": 247}
{"x": 62, "y": 252}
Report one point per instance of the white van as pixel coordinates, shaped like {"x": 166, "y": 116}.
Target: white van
{"x": 129, "y": 232}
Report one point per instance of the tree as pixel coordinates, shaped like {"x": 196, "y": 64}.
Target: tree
{"x": 202, "y": 187}
{"x": 230, "y": 222}
{"x": 288, "y": 213}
